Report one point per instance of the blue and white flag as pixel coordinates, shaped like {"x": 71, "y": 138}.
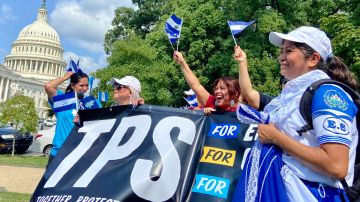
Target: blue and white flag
{"x": 89, "y": 102}
{"x": 238, "y": 26}
{"x": 249, "y": 115}
{"x": 73, "y": 65}
{"x": 191, "y": 100}
{"x": 173, "y": 28}
{"x": 64, "y": 102}
{"x": 103, "y": 96}
{"x": 91, "y": 81}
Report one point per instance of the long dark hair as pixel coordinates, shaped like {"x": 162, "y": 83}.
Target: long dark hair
{"x": 232, "y": 84}
{"x": 334, "y": 67}
{"x": 74, "y": 79}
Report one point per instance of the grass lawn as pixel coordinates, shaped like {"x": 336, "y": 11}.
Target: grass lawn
{"x": 14, "y": 197}
{"x": 26, "y": 161}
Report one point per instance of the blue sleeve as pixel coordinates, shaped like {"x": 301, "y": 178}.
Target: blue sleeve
{"x": 333, "y": 113}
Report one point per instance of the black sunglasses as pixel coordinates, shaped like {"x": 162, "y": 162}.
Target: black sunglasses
{"x": 119, "y": 86}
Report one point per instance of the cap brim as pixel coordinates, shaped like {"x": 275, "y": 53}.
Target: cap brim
{"x": 277, "y": 38}
{"x": 114, "y": 80}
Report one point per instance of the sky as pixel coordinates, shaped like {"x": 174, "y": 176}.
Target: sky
{"x": 81, "y": 25}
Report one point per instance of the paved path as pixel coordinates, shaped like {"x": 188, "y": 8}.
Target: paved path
{"x": 19, "y": 179}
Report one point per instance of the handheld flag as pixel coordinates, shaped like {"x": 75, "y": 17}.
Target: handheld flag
{"x": 64, "y": 102}
{"x": 103, "y": 96}
{"x": 89, "y": 102}
{"x": 238, "y": 26}
{"x": 173, "y": 29}
{"x": 249, "y": 115}
{"x": 191, "y": 100}
{"x": 91, "y": 81}
{"x": 74, "y": 65}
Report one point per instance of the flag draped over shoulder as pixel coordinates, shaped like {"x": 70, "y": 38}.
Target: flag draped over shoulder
{"x": 238, "y": 26}
{"x": 191, "y": 100}
{"x": 173, "y": 28}
{"x": 248, "y": 115}
{"x": 64, "y": 102}
{"x": 103, "y": 96}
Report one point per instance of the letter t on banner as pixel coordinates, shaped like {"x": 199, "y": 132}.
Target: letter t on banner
{"x": 238, "y": 26}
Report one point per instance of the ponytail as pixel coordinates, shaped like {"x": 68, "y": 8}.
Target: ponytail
{"x": 333, "y": 67}
{"x": 338, "y": 71}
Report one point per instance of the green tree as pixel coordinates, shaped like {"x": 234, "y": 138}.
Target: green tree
{"x": 20, "y": 111}
{"x": 134, "y": 57}
{"x": 207, "y": 44}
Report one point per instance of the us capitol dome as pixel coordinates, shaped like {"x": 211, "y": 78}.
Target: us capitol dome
{"x": 36, "y": 58}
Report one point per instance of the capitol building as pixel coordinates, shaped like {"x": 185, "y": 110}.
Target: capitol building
{"x": 36, "y": 57}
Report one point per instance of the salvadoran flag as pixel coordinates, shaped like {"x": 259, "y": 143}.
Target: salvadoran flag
{"x": 238, "y": 26}
{"x": 103, "y": 96}
{"x": 89, "y": 102}
{"x": 91, "y": 81}
{"x": 173, "y": 28}
{"x": 64, "y": 102}
{"x": 248, "y": 115}
{"x": 191, "y": 100}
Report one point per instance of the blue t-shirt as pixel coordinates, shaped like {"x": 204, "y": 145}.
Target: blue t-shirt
{"x": 64, "y": 124}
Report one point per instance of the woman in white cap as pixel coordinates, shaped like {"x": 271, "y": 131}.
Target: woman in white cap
{"x": 313, "y": 162}
{"x": 127, "y": 91}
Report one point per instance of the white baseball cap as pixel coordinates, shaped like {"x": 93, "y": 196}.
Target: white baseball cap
{"x": 311, "y": 36}
{"x": 128, "y": 81}
{"x": 189, "y": 92}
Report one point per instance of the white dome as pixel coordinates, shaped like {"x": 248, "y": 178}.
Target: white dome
{"x": 37, "y": 52}
{"x": 40, "y": 29}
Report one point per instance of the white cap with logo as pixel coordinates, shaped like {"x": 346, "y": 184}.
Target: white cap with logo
{"x": 128, "y": 81}
{"x": 311, "y": 36}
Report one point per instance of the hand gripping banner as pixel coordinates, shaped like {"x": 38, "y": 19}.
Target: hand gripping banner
{"x": 148, "y": 153}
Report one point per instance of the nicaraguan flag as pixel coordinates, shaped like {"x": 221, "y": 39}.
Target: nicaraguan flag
{"x": 64, "y": 102}
{"x": 89, "y": 102}
{"x": 249, "y": 115}
{"x": 173, "y": 28}
{"x": 238, "y": 26}
{"x": 191, "y": 100}
{"x": 103, "y": 96}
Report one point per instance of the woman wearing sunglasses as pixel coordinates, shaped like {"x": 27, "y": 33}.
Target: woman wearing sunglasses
{"x": 126, "y": 91}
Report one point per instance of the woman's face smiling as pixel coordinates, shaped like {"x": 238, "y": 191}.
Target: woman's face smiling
{"x": 222, "y": 96}
{"x": 292, "y": 61}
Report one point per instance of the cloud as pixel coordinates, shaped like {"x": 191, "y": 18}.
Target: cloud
{"x": 6, "y": 13}
{"x": 85, "y": 22}
{"x": 87, "y": 64}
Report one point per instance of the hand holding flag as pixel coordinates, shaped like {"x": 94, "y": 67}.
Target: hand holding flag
{"x": 238, "y": 26}
{"x": 173, "y": 30}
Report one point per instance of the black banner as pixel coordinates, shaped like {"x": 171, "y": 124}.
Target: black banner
{"x": 149, "y": 153}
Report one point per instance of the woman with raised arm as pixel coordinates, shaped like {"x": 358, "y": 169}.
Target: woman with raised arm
{"x": 226, "y": 90}
{"x": 65, "y": 119}
{"x": 313, "y": 162}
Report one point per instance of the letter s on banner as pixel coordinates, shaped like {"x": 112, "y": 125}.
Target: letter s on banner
{"x": 166, "y": 185}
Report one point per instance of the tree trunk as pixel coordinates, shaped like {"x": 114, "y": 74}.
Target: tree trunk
{"x": 13, "y": 146}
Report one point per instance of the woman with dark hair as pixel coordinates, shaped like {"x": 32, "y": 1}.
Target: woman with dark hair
{"x": 226, "y": 89}
{"x": 313, "y": 162}
{"x": 64, "y": 119}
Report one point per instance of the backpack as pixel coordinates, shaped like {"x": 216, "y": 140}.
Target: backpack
{"x": 352, "y": 192}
